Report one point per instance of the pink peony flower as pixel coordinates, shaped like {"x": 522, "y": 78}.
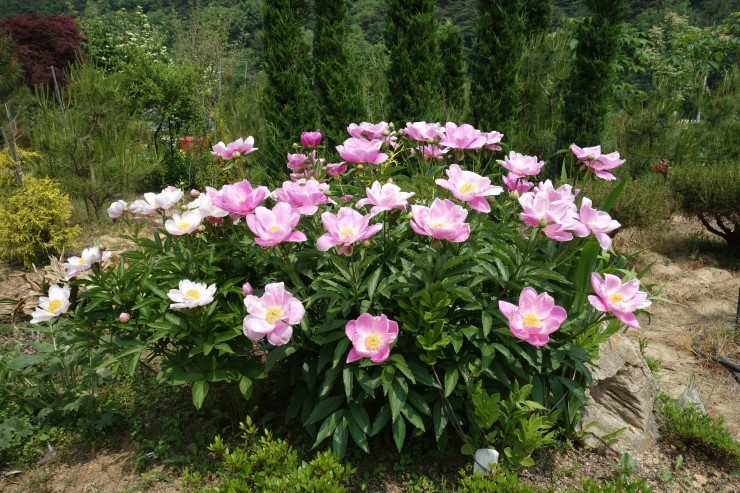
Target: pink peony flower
{"x": 234, "y": 149}
{"x": 306, "y": 197}
{"x": 238, "y": 198}
{"x": 371, "y": 337}
{"x": 385, "y": 198}
{"x": 298, "y": 162}
{"x": 516, "y": 184}
{"x": 358, "y": 151}
{"x": 423, "y": 131}
{"x": 247, "y": 289}
{"x": 275, "y": 226}
{"x": 74, "y": 265}
{"x": 335, "y": 170}
{"x": 203, "y": 205}
{"x": 311, "y": 139}
{"x": 141, "y": 207}
{"x": 346, "y": 228}
{"x": 53, "y": 305}
{"x": 469, "y": 187}
{"x": 430, "y": 152}
{"x": 124, "y": 317}
{"x": 272, "y": 315}
{"x": 462, "y": 137}
{"x": 622, "y": 299}
{"x": 598, "y": 162}
{"x": 597, "y": 222}
{"x": 117, "y": 209}
{"x": 347, "y": 198}
{"x": 492, "y": 140}
{"x": 164, "y": 199}
{"x": 552, "y": 210}
{"x": 442, "y": 221}
{"x": 183, "y": 225}
{"x": 535, "y": 318}
{"x": 521, "y": 166}
{"x": 368, "y": 131}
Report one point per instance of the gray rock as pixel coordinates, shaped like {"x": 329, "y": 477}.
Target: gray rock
{"x": 621, "y": 398}
{"x": 690, "y": 397}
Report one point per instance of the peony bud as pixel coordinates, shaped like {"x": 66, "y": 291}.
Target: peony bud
{"x": 247, "y": 289}
{"x": 201, "y": 228}
{"x": 124, "y": 317}
{"x": 194, "y": 193}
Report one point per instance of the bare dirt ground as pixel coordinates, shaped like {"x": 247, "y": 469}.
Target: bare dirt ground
{"x": 701, "y": 295}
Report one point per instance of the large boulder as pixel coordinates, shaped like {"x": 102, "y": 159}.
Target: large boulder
{"x": 621, "y": 397}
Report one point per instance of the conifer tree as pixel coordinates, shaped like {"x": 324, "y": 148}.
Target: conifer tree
{"x": 453, "y": 67}
{"x": 287, "y": 100}
{"x": 414, "y": 69}
{"x": 497, "y": 53}
{"x": 537, "y": 15}
{"x": 339, "y": 90}
{"x": 590, "y": 84}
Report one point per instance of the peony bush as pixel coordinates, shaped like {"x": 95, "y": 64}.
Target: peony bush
{"x": 418, "y": 287}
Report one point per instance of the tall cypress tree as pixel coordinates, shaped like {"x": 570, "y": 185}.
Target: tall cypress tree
{"x": 453, "y": 72}
{"x": 413, "y": 72}
{"x": 339, "y": 90}
{"x": 590, "y": 84}
{"x": 497, "y": 53}
{"x": 537, "y": 15}
{"x": 287, "y": 101}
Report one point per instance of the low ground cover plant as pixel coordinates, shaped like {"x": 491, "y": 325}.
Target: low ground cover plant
{"x": 419, "y": 286}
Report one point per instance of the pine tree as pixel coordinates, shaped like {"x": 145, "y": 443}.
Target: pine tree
{"x": 287, "y": 101}
{"x": 338, "y": 86}
{"x": 453, "y": 67}
{"x": 413, "y": 72}
{"x": 537, "y": 15}
{"x": 497, "y": 52}
{"x": 590, "y": 84}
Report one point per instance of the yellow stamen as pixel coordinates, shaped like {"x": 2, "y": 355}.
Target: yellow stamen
{"x": 273, "y": 314}
{"x": 616, "y": 298}
{"x": 372, "y": 342}
{"x": 193, "y": 293}
{"x": 438, "y": 225}
{"x": 274, "y": 228}
{"x": 54, "y": 305}
{"x": 532, "y": 320}
{"x": 467, "y": 188}
{"x": 183, "y": 226}
{"x": 81, "y": 261}
{"x": 347, "y": 234}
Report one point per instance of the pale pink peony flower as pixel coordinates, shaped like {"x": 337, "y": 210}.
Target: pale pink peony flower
{"x": 358, "y": 151}
{"x": 53, "y": 305}
{"x": 275, "y": 226}
{"x": 141, "y": 207}
{"x": 191, "y": 294}
{"x": 368, "y": 131}
{"x": 247, "y": 289}
{"x": 347, "y": 198}
{"x": 74, "y": 265}
{"x": 272, "y": 315}
{"x": 345, "y": 229}
{"x": 384, "y": 198}
{"x": 371, "y": 337}
{"x": 238, "y": 198}
{"x": 423, "y": 131}
{"x": 311, "y": 139}
{"x": 521, "y": 166}
{"x": 335, "y": 170}
{"x": 442, "y": 221}
{"x": 535, "y": 318}
{"x": 165, "y": 199}
{"x": 621, "y": 299}
{"x": 598, "y": 222}
{"x": 203, "y": 205}
{"x": 306, "y": 197}
{"x": 431, "y": 152}
{"x": 598, "y": 162}
{"x": 492, "y": 140}
{"x": 469, "y": 187}
{"x": 463, "y": 137}
{"x": 298, "y": 162}
{"x": 234, "y": 149}
{"x": 117, "y": 209}
{"x": 124, "y": 317}
{"x": 516, "y": 184}
{"x": 552, "y": 210}
{"x": 183, "y": 225}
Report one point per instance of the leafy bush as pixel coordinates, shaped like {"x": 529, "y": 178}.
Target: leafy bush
{"x": 704, "y": 435}
{"x": 507, "y": 482}
{"x": 458, "y": 361}
{"x": 712, "y": 193}
{"x": 34, "y": 222}
{"x": 265, "y": 464}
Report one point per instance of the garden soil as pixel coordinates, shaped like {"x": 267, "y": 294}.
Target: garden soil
{"x": 701, "y": 298}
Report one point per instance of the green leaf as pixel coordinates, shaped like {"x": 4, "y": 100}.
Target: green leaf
{"x": 246, "y": 387}
{"x": 323, "y": 409}
{"x": 439, "y": 419}
{"x": 340, "y": 439}
{"x": 397, "y": 397}
{"x": 414, "y": 417}
{"x": 328, "y": 427}
{"x": 451, "y": 377}
{"x": 398, "y": 427}
{"x": 276, "y": 355}
{"x": 359, "y": 436}
{"x": 381, "y": 419}
{"x": 200, "y": 390}
{"x": 154, "y": 289}
{"x": 360, "y": 417}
